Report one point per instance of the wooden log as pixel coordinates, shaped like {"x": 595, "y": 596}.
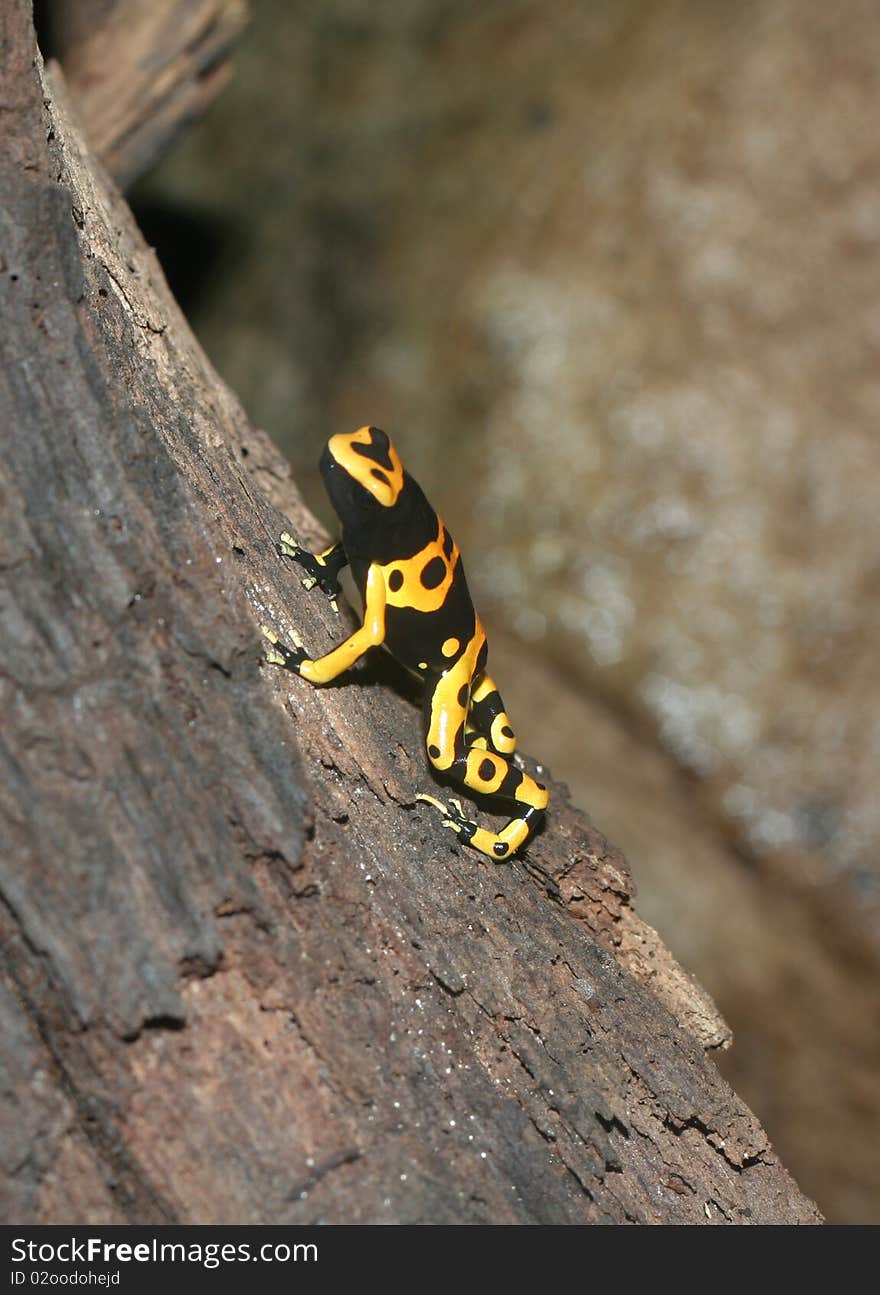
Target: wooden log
{"x": 245, "y": 978}
{"x": 138, "y": 71}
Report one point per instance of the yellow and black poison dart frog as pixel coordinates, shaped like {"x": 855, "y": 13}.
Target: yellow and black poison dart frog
{"x": 416, "y": 602}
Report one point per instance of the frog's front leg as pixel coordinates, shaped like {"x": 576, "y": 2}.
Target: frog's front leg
{"x": 322, "y": 569}
{"x": 323, "y": 669}
{"x": 467, "y": 760}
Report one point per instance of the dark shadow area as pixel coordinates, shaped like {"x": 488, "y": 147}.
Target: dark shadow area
{"x": 192, "y": 244}
{"x": 47, "y": 27}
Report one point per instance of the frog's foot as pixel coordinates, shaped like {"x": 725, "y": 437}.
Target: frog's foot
{"x": 279, "y": 653}
{"x": 454, "y": 818}
{"x": 318, "y": 571}
{"x": 495, "y": 845}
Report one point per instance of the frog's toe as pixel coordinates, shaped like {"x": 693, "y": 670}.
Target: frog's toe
{"x": 280, "y": 654}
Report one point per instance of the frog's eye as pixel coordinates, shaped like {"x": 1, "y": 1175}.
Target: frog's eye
{"x": 368, "y": 456}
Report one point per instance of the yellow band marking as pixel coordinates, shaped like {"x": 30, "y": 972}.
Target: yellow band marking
{"x": 403, "y": 578}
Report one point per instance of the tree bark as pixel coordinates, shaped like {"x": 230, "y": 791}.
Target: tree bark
{"x": 139, "y": 70}
{"x": 245, "y": 977}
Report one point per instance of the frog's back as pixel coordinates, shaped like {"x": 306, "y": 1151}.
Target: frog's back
{"x": 430, "y": 617}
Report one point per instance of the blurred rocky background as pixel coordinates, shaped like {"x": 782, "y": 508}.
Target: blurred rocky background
{"x": 609, "y": 272}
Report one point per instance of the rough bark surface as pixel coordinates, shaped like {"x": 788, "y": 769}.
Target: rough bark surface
{"x": 139, "y": 70}
{"x": 245, "y": 977}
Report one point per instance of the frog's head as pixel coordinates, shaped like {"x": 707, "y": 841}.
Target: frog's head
{"x": 361, "y": 471}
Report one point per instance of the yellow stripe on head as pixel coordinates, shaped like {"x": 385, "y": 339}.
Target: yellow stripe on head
{"x": 368, "y": 456}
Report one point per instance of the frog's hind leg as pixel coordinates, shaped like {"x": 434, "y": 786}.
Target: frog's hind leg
{"x": 488, "y": 716}
{"x": 465, "y": 760}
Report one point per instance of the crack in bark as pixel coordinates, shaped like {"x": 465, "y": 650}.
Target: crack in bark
{"x": 145, "y": 324}
{"x": 714, "y": 1138}
{"x": 322, "y": 1169}
{"x": 135, "y": 1194}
